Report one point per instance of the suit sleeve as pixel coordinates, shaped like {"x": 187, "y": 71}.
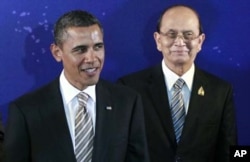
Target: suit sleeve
{"x": 16, "y": 143}
{"x": 137, "y": 146}
{"x": 1, "y": 139}
{"x": 228, "y": 131}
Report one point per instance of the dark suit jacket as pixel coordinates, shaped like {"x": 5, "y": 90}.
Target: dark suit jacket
{"x": 1, "y": 140}
{"x": 209, "y": 127}
{"x": 37, "y": 129}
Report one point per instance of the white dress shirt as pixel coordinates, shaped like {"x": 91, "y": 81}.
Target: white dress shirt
{"x": 70, "y": 102}
{"x": 170, "y": 79}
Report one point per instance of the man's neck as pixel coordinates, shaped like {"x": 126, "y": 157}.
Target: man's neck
{"x": 179, "y": 69}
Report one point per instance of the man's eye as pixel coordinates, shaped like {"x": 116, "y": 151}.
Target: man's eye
{"x": 98, "y": 47}
{"x": 188, "y": 35}
{"x": 171, "y": 34}
{"x": 80, "y": 50}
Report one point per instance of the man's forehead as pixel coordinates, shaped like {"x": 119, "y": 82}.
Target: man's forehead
{"x": 180, "y": 18}
{"x": 180, "y": 12}
{"x": 91, "y": 32}
{"x": 180, "y": 9}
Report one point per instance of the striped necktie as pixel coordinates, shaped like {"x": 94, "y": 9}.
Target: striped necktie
{"x": 177, "y": 109}
{"x": 84, "y": 134}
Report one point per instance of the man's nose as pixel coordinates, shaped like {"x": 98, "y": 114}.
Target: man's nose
{"x": 90, "y": 55}
{"x": 180, "y": 40}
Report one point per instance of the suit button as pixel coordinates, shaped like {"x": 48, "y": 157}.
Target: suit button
{"x": 178, "y": 159}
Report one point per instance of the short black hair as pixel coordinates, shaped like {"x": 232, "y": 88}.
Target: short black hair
{"x": 75, "y": 18}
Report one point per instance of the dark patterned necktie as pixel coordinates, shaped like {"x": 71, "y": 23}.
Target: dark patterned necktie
{"x": 84, "y": 134}
{"x": 177, "y": 109}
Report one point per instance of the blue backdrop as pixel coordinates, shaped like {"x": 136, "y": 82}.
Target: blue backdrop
{"x": 26, "y": 33}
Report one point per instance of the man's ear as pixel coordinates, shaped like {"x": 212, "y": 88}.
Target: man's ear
{"x": 157, "y": 40}
{"x": 201, "y": 40}
{"x": 56, "y": 52}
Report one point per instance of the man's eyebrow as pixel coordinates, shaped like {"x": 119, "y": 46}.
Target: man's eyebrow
{"x": 99, "y": 43}
{"x": 79, "y": 47}
{"x": 171, "y": 30}
{"x": 174, "y": 30}
{"x": 185, "y": 31}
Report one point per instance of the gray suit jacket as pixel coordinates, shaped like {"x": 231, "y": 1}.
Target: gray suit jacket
{"x": 37, "y": 129}
{"x": 209, "y": 128}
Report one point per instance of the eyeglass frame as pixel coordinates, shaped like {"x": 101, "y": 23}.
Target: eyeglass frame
{"x": 178, "y": 36}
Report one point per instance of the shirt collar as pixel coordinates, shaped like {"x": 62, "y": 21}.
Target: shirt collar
{"x": 69, "y": 91}
{"x": 170, "y": 77}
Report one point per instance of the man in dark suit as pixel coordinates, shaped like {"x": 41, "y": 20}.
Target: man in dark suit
{"x": 41, "y": 124}
{"x": 207, "y": 127}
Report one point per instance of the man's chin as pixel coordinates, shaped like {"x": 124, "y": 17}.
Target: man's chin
{"x": 180, "y": 61}
{"x": 92, "y": 81}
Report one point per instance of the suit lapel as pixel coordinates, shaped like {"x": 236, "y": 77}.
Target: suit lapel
{"x": 197, "y": 100}
{"x": 158, "y": 93}
{"x": 54, "y": 118}
{"x": 104, "y": 119}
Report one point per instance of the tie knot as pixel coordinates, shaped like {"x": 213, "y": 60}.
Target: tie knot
{"x": 179, "y": 83}
{"x": 82, "y": 99}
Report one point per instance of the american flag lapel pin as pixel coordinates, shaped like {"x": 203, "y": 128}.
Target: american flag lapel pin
{"x": 108, "y": 108}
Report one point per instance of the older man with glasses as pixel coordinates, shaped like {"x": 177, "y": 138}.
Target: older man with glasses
{"x": 189, "y": 113}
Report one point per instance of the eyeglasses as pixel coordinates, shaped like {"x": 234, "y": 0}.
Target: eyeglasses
{"x": 185, "y": 36}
